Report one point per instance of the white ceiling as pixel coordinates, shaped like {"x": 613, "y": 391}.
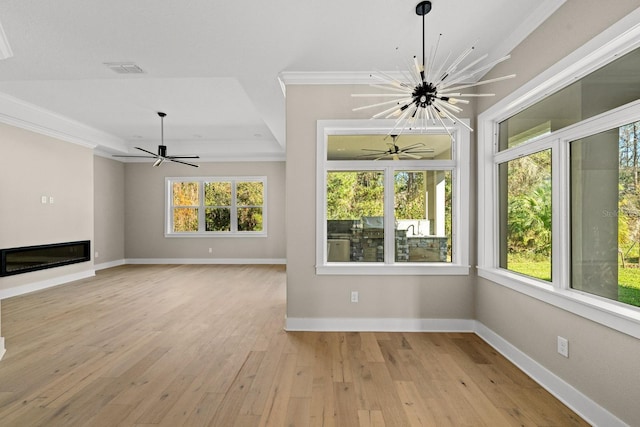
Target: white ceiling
{"x": 213, "y": 66}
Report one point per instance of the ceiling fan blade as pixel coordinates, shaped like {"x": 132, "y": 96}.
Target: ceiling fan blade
{"x": 373, "y": 150}
{"x": 146, "y": 151}
{"x": 184, "y": 163}
{"x": 424, "y": 150}
{"x": 413, "y": 156}
{"x": 187, "y": 156}
{"x": 409, "y": 147}
{"x": 126, "y": 155}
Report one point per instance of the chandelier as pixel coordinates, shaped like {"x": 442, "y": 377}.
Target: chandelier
{"x": 427, "y": 93}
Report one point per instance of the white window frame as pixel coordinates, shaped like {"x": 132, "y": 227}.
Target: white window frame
{"x": 458, "y": 165}
{"x": 621, "y": 38}
{"x": 168, "y": 231}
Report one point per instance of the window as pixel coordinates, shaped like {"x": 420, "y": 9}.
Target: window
{"x": 391, "y": 204}
{"x": 206, "y": 206}
{"x": 605, "y": 214}
{"x": 558, "y": 197}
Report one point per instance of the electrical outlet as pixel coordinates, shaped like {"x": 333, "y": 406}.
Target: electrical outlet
{"x": 563, "y": 346}
{"x": 354, "y": 296}
{"x": 51, "y": 199}
{"x": 97, "y": 254}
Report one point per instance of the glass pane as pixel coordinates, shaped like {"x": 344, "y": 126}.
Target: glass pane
{"x": 249, "y": 193}
{"x": 218, "y": 219}
{"x": 185, "y": 219}
{"x": 605, "y": 214}
{"x": 217, "y": 193}
{"x": 423, "y": 216}
{"x": 383, "y": 147}
{"x": 525, "y": 215}
{"x": 249, "y": 219}
{"x": 355, "y": 223}
{"x": 185, "y": 194}
{"x": 611, "y": 86}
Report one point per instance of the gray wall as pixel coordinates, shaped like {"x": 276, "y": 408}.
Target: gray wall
{"x": 145, "y": 213}
{"x": 313, "y": 296}
{"x": 603, "y": 363}
{"x": 31, "y": 166}
{"x": 108, "y": 187}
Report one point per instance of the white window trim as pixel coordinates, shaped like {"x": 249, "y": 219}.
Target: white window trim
{"x": 459, "y": 165}
{"x": 619, "y": 39}
{"x": 168, "y": 221}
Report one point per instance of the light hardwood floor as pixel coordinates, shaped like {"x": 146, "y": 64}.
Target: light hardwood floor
{"x": 204, "y": 345}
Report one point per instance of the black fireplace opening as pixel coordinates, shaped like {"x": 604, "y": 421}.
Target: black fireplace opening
{"x": 32, "y": 258}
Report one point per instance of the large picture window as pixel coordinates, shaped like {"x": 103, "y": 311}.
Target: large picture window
{"x": 205, "y": 206}
{"x": 394, "y": 204}
{"x": 558, "y": 199}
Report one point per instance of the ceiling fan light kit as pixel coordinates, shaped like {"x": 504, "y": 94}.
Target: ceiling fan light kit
{"x": 161, "y": 156}
{"x": 428, "y": 93}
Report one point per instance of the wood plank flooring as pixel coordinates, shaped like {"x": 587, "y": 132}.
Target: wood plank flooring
{"x": 205, "y": 346}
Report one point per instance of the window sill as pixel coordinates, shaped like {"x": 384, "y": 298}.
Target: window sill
{"x": 622, "y": 318}
{"x": 405, "y": 269}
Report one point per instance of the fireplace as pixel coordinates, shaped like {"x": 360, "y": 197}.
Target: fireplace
{"x": 32, "y": 258}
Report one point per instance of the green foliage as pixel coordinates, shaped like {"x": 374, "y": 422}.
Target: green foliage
{"x": 185, "y": 194}
{"x": 529, "y": 204}
{"x": 352, "y": 195}
{"x": 410, "y": 195}
{"x": 217, "y": 194}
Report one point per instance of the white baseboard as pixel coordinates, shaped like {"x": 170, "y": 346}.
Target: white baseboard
{"x": 44, "y": 284}
{"x": 205, "y": 261}
{"x": 2, "y": 349}
{"x": 593, "y": 413}
{"x": 378, "y": 325}
{"x": 110, "y": 264}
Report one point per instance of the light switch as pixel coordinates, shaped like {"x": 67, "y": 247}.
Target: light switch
{"x": 51, "y": 199}
{"x": 43, "y": 199}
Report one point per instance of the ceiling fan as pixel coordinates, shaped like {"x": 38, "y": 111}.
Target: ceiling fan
{"x": 394, "y": 151}
{"x": 162, "y": 150}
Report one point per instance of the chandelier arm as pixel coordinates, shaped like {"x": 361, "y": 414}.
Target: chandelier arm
{"x": 390, "y": 112}
{"x": 446, "y": 128}
{"x": 379, "y": 104}
{"x": 451, "y": 107}
{"x": 454, "y": 64}
{"x": 458, "y": 74}
{"x": 453, "y": 117}
{"x": 439, "y": 72}
{"x": 432, "y": 58}
{"x": 394, "y": 89}
{"x": 459, "y": 78}
{"x": 484, "y": 82}
{"x": 468, "y": 95}
{"x": 377, "y": 95}
{"x": 387, "y": 79}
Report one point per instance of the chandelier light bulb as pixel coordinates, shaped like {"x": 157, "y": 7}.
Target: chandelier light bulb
{"x": 428, "y": 94}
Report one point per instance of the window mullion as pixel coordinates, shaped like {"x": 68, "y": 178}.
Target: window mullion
{"x": 234, "y": 208}
{"x": 201, "y": 208}
{"x": 389, "y": 216}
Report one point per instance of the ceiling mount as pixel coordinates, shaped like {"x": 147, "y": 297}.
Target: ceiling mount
{"x": 423, "y": 8}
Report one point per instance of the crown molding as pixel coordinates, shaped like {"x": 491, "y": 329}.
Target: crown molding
{"x": 24, "y": 115}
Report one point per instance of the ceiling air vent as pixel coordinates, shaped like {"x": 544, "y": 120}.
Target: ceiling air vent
{"x": 124, "y": 67}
